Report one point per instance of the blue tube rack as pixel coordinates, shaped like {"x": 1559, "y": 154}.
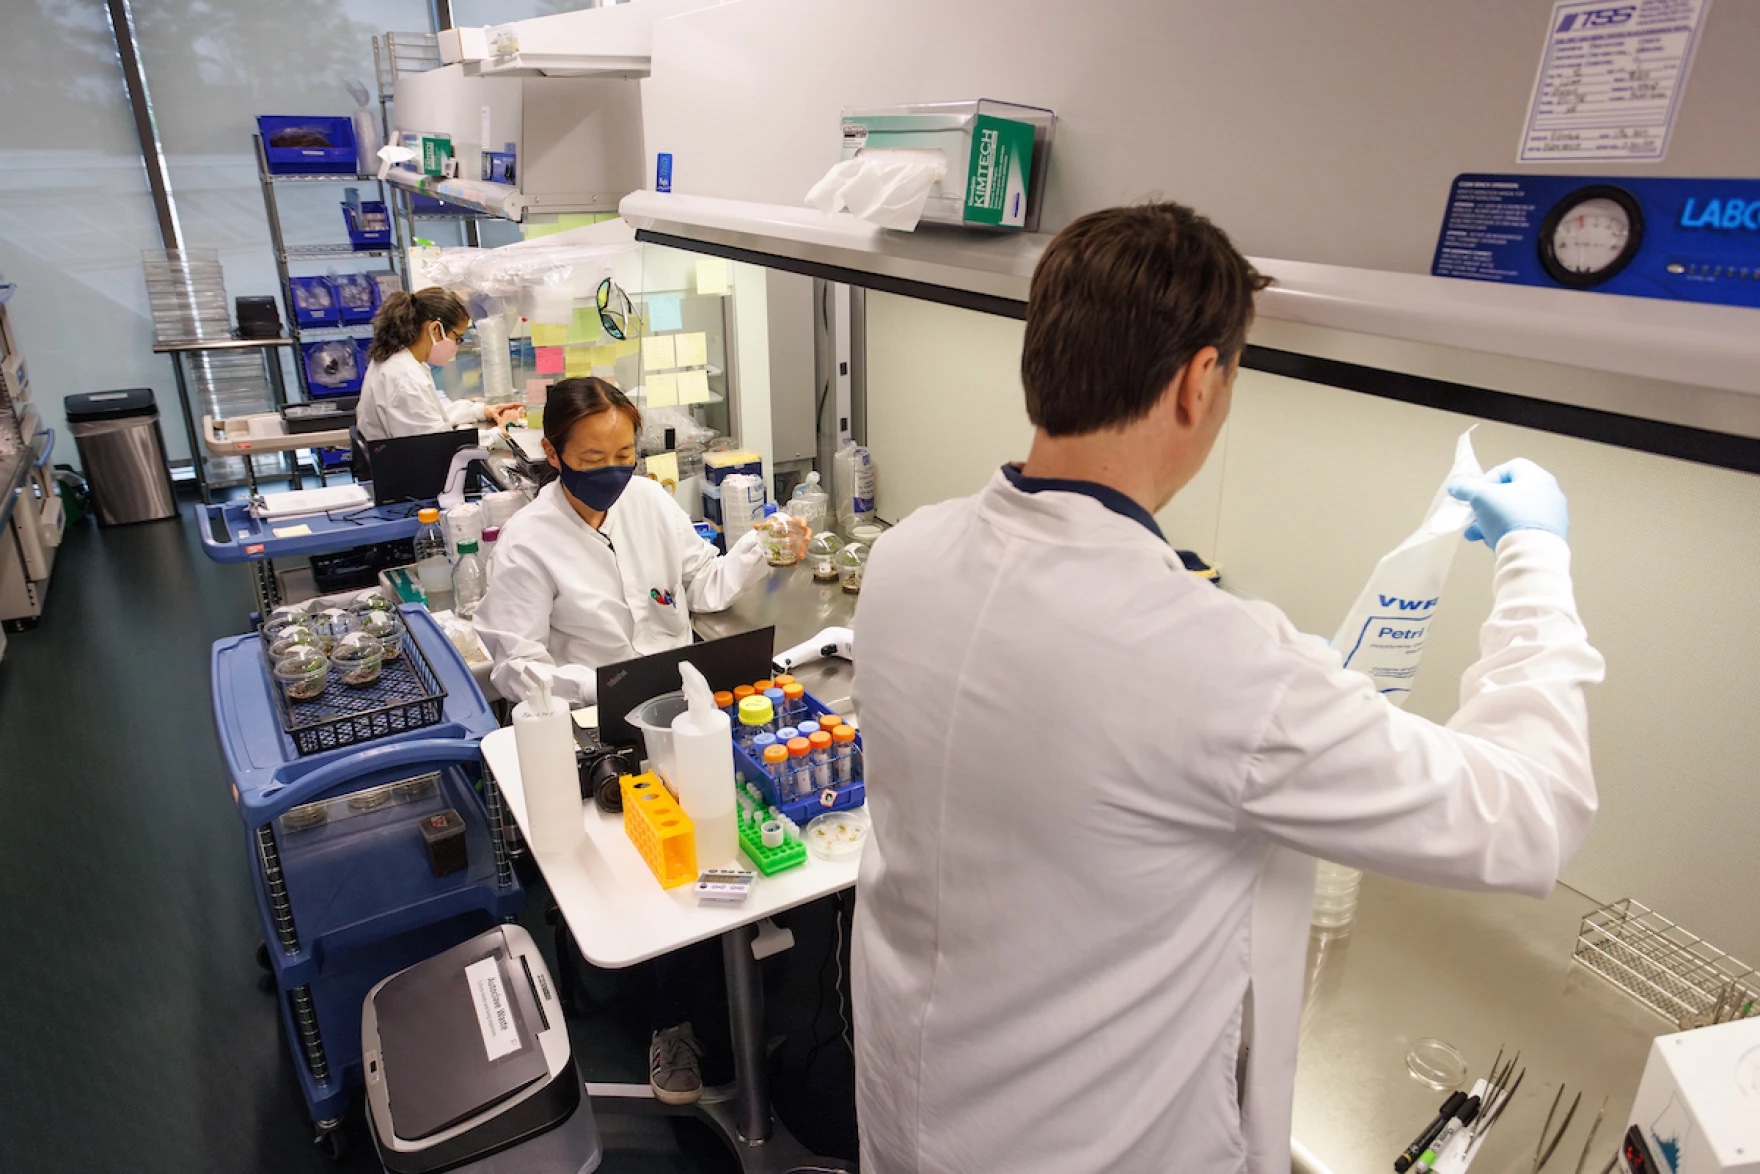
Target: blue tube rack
{"x": 801, "y": 808}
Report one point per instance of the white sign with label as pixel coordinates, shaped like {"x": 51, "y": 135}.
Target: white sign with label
{"x": 494, "y": 1009}
{"x": 1611, "y": 79}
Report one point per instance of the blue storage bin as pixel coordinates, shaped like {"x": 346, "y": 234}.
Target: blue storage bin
{"x": 314, "y": 144}
{"x": 332, "y": 366}
{"x": 804, "y": 808}
{"x": 357, "y": 297}
{"x": 370, "y": 228}
{"x": 315, "y": 302}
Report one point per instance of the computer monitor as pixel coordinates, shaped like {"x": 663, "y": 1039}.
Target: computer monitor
{"x": 725, "y": 663}
{"x": 414, "y": 468}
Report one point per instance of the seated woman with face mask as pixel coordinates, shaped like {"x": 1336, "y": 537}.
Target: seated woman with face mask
{"x": 411, "y": 333}
{"x": 602, "y": 566}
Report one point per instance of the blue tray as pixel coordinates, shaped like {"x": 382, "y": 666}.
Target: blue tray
{"x": 359, "y": 881}
{"x": 327, "y": 146}
{"x": 249, "y": 539}
{"x": 269, "y": 776}
{"x": 801, "y": 809}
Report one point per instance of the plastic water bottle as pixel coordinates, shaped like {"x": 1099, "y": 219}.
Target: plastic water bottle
{"x": 433, "y": 569}
{"x": 491, "y": 534}
{"x": 467, "y": 581}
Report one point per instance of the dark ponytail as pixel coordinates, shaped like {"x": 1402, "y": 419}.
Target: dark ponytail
{"x": 569, "y": 401}
{"x": 402, "y": 319}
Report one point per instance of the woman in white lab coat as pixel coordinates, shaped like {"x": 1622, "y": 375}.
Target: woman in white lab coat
{"x": 412, "y": 332}
{"x": 601, "y": 567}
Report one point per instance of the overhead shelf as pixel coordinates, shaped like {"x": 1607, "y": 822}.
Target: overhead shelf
{"x": 329, "y": 252}
{"x": 281, "y": 177}
{"x": 499, "y": 199}
{"x": 1698, "y": 346}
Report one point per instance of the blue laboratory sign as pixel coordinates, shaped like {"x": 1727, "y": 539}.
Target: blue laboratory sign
{"x": 1688, "y": 240}
{"x": 663, "y": 172}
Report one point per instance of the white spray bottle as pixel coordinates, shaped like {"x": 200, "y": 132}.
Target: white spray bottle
{"x": 702, "y": 739}
{"x": 544, "y": 740}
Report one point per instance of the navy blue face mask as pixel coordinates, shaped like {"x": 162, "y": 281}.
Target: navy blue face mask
{"x": 597, "y": 489}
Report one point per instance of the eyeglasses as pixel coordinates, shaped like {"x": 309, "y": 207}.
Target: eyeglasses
{"x": 614, "y": 310}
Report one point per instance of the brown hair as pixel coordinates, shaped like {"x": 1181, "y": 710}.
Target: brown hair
{"x": 403, "y": 317}
{"x": 570, "y": 401}
{"x": 1121, "y": 300}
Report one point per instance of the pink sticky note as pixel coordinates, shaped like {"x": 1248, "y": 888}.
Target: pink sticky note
{"x": 549, "y": 360}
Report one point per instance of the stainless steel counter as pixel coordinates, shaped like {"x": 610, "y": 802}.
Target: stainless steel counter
{"x": 1480, "y": 972}
{"x": 799, "y": 608}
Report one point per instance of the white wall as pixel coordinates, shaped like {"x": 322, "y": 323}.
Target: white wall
{"x": 1310, "y": 485}
{"x": 1326, "y": 130}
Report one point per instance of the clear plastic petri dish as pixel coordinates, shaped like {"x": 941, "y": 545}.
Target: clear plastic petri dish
{"x": 1436, "y": 1063}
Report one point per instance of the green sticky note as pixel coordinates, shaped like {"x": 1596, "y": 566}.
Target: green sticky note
{"x": 585, "y": 327}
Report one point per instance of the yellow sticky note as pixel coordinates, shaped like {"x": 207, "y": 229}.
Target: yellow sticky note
{"x": 693, "y": 387}
{"x": 692, "y": 350}
{"x": 601, "y": 356}
{"x": 548, "y": 334}
{"x": 711, "y": 275}
{"x": 657, "y": 352}
{"x": 624, "y": 349}
{"x": 662, "y": 390}
{"x": 663, "y": 467}
{"x": 579, "y": 361}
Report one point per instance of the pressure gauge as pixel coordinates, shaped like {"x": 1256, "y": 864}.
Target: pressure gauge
{"x": 1590, "y": 235}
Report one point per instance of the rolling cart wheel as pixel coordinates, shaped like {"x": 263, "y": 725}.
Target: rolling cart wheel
{"x": 332, "y": 1143}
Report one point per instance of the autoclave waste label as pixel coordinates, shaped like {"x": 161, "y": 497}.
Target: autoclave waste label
{"x": 494, "y": 1009}
{"x": 1610, "y": 79}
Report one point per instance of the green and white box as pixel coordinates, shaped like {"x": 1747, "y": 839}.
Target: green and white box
{"x": 995, "y": 152}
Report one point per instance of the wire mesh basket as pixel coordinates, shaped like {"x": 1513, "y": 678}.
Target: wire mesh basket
{"x": 406, "y": 696}
{"x": 1675, "y": 973}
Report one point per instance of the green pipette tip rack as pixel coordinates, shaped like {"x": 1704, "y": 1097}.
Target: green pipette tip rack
{"x": 769, "y": 861}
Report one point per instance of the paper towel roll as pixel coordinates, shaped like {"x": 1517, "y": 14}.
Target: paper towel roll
{"x": 545, "y": 744}
{"x": 501, "y": 505}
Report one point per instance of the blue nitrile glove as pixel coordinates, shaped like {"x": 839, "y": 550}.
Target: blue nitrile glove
{"x": 1517, "y": 495}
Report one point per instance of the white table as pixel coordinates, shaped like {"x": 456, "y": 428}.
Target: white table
{"x": 619, "y": 916}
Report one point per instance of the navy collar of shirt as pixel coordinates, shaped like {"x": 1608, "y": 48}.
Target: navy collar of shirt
{"x": 1107, "y": 496}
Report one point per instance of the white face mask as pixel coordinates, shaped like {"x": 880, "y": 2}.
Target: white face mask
{"x": 443, "y": 349}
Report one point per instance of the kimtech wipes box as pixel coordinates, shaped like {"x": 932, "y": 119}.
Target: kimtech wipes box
{"x": 995, "y": 155}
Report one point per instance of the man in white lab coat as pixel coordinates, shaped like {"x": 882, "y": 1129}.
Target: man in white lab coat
{"x": 1090, "y": 767}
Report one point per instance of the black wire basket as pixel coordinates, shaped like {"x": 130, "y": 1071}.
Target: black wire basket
{"x": 407, "y": 696}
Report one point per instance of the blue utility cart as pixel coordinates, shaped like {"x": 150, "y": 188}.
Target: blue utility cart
{"x": 339, "y": 868}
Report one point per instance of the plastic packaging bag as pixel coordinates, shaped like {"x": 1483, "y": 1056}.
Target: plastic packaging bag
{"x": 1384, "y": 633}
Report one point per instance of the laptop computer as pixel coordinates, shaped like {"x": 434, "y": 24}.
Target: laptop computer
{"x": 414, "y": 468}
{"x": 724, "y": 663}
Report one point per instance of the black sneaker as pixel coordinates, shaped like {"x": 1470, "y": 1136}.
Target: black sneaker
{"x": 675, "y": 1066}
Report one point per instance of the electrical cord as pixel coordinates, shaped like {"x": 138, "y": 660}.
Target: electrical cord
{"x": 833, "y": 956}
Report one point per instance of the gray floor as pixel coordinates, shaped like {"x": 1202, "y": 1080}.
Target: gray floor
{"x": 135, "y": 1032}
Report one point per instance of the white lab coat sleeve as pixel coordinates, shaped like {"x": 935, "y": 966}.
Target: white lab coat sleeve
{"x": 460, "y": 412}
{"x": 513, "y": 619}
{"x": 1500, "y": 798}
{"x": 711, "y": 581}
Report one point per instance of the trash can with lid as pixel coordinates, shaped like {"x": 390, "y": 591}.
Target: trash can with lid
{"x": 123, "y": 452}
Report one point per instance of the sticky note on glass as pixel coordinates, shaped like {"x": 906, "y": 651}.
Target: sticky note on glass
{"x": 663, "y": 467}
{"x": 548, "y": 334}
{"x": 693, "y": 387}
{"x": 585, "y": 326}
{"x": 580, "y": 361}
{"x": 691, "y": 350}
{"x": 548, "y": 360}
{"x": 665, "y": 313}
{"x": 711, "y": 275}
{"x": 662, "y": 390}
{"x": 657, "y": 353}
{"x": 538, "y": 390}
